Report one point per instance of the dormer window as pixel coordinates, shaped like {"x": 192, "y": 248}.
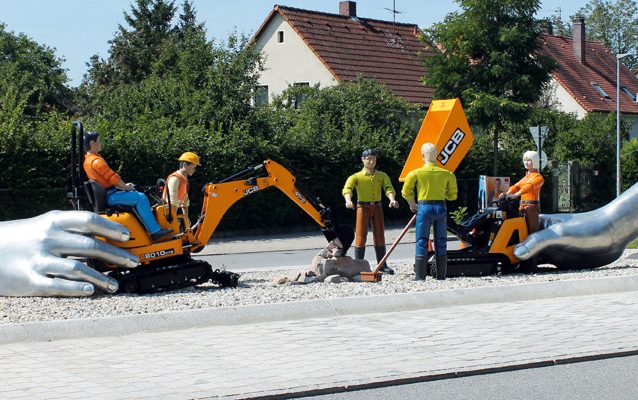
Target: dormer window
{"x": 280, "y": 36}
{"x": 601, "y": 91}
{"x": 629, "y": 93}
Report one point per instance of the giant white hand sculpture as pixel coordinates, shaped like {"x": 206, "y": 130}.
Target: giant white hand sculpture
{"x": 590, "y": 239}
{"x": 33, "y": 252}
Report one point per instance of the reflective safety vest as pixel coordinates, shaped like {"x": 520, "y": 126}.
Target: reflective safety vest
{"x": 182, "y": 189}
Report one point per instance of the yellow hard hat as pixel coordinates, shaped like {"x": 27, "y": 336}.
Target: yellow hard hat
{"x": 190, "y": 157}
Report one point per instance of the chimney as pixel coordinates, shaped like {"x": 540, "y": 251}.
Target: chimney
{"x": 348, "y": 8}
{"x": 578, "y": 37}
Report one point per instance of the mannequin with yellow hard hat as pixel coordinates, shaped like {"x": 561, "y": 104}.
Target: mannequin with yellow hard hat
{"x": 177, "y": 183}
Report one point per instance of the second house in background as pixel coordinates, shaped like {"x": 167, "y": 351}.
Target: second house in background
{"x": 304, "y": 47}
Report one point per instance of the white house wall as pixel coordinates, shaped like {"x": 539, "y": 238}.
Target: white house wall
{"x": 289, "y": 62}
{"x": 565, "y": 102}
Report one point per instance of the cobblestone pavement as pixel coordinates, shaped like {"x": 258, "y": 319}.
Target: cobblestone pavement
{"x": 322, "y": 354}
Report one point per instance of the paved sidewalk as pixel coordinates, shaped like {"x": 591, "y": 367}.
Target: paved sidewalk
{"x": 323, "y": 355}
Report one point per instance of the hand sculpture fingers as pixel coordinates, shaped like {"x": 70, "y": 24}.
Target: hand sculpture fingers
{"x": 74, "y": 270}
{"x": 67, "y": 244}
{"x": 45, "y": 286}
{"x": 591, "y": 239}
{"x": 545, "y": 238}
{"x": 89, "y": 223}
{"x": 32, "y": 251}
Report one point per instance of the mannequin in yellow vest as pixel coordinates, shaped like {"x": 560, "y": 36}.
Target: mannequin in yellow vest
{"x": 177, "y": 183}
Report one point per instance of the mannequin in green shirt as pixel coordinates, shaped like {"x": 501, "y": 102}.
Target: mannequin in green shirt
{"x": 432, "y": 186}
{"x": 369, "y": 184}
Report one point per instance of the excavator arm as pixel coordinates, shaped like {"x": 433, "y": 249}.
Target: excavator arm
{"x": 219, "y": 197}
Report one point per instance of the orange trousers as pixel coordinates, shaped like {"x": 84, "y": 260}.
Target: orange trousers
{"x": 367, "y": 214}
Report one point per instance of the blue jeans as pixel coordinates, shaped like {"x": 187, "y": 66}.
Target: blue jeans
{"x": 137, "y": 200}
{"x": 431, "y": 213}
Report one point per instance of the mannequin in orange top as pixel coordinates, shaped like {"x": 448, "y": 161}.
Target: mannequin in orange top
{"x": 528, "y": 190}
{"x": 177, "y": 183}
{"x": 118, "y": 192}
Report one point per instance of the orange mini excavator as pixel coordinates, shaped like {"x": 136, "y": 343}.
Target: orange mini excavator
{"x": 167, "y": 264}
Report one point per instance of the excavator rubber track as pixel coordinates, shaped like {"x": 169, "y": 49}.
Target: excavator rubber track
{"x": 147, "y": 279}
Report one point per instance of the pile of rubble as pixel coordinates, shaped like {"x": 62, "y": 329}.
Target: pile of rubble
{"x": 328, "y": 267}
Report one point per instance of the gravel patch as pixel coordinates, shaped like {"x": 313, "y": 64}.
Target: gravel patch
{"x": 259, "y": 288}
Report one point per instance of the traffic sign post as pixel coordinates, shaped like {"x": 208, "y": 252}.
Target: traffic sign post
{"x": 539, "y": 134}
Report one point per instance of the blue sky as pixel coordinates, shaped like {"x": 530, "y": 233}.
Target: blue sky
{"x": 78, "y": 29}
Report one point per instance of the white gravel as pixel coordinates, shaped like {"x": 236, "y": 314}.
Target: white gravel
{"x": 258, "y": 288}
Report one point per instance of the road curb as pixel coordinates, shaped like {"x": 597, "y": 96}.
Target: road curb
{"x": 176, "y": 320}
{"x": 435, "y": 376}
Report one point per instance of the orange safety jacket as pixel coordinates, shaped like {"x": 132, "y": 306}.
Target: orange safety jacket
{"x": 182, "y": 190}
{"x": 98, "y": 170}
{"x": 530, "y": 188}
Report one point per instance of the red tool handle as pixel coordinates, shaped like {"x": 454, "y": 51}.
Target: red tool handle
{"x": 396, "y": 242}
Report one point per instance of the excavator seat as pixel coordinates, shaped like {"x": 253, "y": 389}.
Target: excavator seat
{"x": 97, "y": 197}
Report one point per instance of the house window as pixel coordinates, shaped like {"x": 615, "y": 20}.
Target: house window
{"x": 261, "y": 95}
{"x": 629, "y": 93}
{"x": 600, "y": 91}
{"x": 301, "y": 96}
{"x": 280, "y": 36}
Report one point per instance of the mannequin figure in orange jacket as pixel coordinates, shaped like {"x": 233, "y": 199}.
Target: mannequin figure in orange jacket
{"x": 528, "y": 190}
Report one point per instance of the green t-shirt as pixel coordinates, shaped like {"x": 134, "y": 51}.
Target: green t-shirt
{"x": 432, "y": 183}
{"x": 369, "y": 186}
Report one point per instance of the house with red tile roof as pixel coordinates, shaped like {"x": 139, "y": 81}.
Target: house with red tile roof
{"x": 585, "y": 79}
{"x": 303, "y": 47}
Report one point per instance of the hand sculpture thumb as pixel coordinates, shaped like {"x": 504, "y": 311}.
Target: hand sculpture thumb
{"x": 590, "y": 239}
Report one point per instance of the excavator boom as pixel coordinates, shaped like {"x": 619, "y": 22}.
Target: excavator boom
{"x": 219, "y": 197}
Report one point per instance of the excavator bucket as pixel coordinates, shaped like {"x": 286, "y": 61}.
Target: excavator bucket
{"x": 446, "y": 126}
{"x": 345, "y": 236}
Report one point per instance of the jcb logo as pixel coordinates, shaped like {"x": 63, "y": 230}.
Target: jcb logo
{"x": 251, "y": 190}
{"x": 451, "y": 146}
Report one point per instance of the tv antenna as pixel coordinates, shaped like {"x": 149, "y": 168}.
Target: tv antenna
{"x": 558, "y": 13}
{"x": 394, "y": 12}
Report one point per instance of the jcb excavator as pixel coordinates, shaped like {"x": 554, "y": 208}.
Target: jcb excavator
{"x": 167, "y": 264}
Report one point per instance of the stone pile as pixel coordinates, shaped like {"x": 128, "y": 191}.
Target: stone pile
{"x": 329, "y": 267}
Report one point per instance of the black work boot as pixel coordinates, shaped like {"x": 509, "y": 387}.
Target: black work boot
{"x": 420, "y": 268}
{"x": 359, "y": 253}
{"x": 441, "y": 267}
{"x": 380, "y": 252}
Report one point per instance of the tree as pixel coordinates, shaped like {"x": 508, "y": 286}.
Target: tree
{"x": 615, "y": 24}
{"x": 134, "y": 50}
{"x": 32, "y": 75}
{"x": 490, "y": 60}
{"x": 324, "y": 135}
{"x": 629, "y": 163}
{"x": 592, "y": 141}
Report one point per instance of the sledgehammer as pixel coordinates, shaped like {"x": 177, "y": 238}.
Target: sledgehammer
{"x": 375, "y": 275}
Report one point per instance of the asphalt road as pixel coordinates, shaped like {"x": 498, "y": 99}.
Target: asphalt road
{"x": 291, "y": 259}
{"x": 613, "y": 378}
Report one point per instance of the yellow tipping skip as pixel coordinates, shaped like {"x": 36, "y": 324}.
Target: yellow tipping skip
{"x": 446, "y": 126}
